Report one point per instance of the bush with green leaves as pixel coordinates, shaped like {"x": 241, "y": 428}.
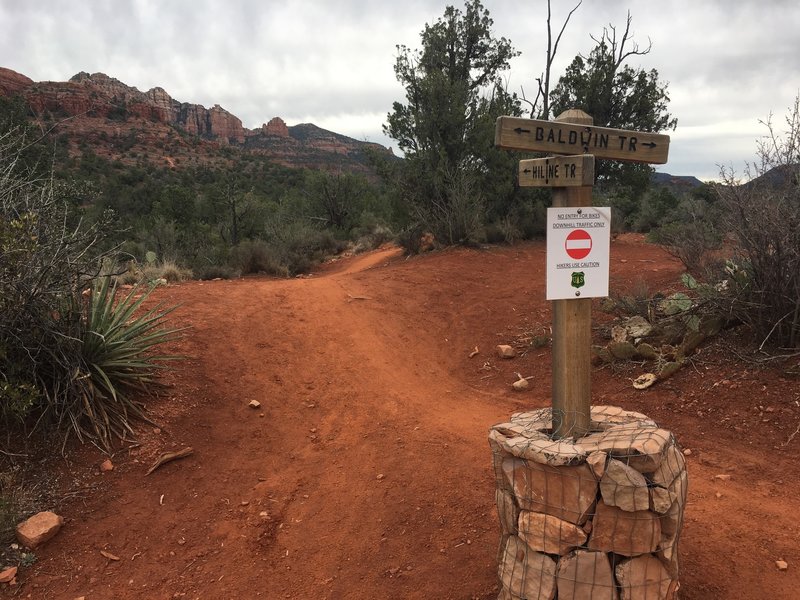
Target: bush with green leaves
{"x": 63, "y": 359}
{"x": 116, "y": 360}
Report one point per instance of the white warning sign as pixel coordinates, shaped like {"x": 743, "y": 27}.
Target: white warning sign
{"x": 578, "y": 248}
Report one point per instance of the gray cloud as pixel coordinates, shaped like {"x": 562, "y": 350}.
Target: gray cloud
{"x": 728, "y": 63}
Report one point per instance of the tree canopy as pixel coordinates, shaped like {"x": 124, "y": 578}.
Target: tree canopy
{"x": 454, "y": 91}
{"x": 616, "y": 95}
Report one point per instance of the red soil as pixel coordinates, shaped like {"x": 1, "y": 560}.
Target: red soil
{"x": 366, "y": 472}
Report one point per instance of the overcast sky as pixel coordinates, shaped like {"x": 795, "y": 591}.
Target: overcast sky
{"x": 728, "y": 63}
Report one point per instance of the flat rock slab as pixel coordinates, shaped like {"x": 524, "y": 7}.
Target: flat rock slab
{"x": 549, "y": 534}
{"x": 624, "y": 434}
{"x": 586, "y": 575}
{"x": 645, "y": 578}
{"x": 623, "y": 532}
{"x": 525, "y": 573}
{"x": 7, "y": 575}
{"x": 568, "y": 493}
{"x": 39, "y": 528}
{"x": 534, "y": 446}
{"x": 507, "y": 510}
{"x": 640, "y": 447}
{"x": 625, "y": 488}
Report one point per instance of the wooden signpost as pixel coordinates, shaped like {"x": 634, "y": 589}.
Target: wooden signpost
{"x": 565, "y": 136}
{"x": 557, "y": 171}
{"x": 571, "y": 178}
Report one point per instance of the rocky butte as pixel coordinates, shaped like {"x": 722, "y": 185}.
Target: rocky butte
{"x": 99, "y": 110}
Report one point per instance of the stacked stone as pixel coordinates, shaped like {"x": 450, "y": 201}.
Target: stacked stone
{"x": 590, "y": 519}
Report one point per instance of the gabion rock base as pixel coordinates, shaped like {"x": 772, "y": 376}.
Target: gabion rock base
{"x": 591, "y": 519}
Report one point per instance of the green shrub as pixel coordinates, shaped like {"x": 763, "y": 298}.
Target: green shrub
{"x": 410, "y": 238}
{"x": 296, "y": 247}
{"x": 369, "y": 239}
{"x": 255, "y": 256}
{"x": 10, "y": 513}
{"x": 167, "y": 270}
{"x": 209, "y": 272}
{"x": 116, "y": 361}
{"x": 759, "y": 221}
{"x": 504, "y": 231}
{"x": 64, "y": 360}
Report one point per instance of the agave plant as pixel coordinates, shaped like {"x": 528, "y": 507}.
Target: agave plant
{"x": 117, "y": 360}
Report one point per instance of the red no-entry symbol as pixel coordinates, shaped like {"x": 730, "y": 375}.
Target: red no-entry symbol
{"x": 578, "y": 244}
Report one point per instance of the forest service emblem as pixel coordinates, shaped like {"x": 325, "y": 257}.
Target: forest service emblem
{"x": 578, "y": 279}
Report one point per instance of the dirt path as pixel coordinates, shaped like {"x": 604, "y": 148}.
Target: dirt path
{"x": 366, "y": 472}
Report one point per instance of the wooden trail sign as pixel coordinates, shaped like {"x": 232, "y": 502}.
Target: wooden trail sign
{"x": 557, "y": 171}
{"x": 573, "y": 132}
{"x": 513, "y": 133}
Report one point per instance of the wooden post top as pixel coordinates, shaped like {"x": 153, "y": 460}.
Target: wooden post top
{"x": 575, "y": 115}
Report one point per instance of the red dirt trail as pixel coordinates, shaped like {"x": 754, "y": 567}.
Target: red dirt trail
{"x": 366, "y": 473}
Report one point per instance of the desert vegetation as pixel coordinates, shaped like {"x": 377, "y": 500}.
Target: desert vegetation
{"x": 71, "y": 350}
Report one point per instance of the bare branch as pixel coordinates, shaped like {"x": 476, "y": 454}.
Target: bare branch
{"x": 563, "y": 27}
{"x": 617, "y": 50}
{"x": 628, "y": 37}
{"x": 552, "y": 49}
{"x": 535, "y": 102}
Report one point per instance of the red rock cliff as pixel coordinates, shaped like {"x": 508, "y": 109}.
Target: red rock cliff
{"x": 12, "y": 82}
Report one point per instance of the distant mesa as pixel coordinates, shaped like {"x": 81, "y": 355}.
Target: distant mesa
{"x": 12, "y": 82}
{"x": 276, "y": 126}
{"x": 121, "y": 122}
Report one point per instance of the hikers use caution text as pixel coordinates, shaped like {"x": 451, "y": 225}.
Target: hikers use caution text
{"x": 578, "y": 244}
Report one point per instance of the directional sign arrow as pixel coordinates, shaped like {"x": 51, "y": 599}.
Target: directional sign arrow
{"x": 514, "y": 133}
{"x": 557, "y": 171}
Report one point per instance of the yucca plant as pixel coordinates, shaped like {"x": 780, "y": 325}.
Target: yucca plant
{"x": 118, "y": 361}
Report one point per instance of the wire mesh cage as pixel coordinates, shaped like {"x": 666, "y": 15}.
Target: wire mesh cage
{"x": 598, "y": 517}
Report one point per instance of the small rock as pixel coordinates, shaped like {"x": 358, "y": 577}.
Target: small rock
{"x": 245, "y": 503}
{"x": 782, "y": 565}
{"x": 505, "y": 351}
{"x": 380, "y": 476}
{"x": 109, "y": 556}
{"x": 520, "y": 384}
{"x": 254, "y": 404}
{"x": 644, "y": 381}
{"x": 549, "y": 534}
{"x": 597, "y": 461}
{"x": 106, "y": 466}
{"x": 619, "y": 334}
{"x": 7, "y": 575}
{"x": 38, "y": 529}
{"x": 624, "y": 487}
{"x": 722, "y": 477}
{"x": 687, "y": 452}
